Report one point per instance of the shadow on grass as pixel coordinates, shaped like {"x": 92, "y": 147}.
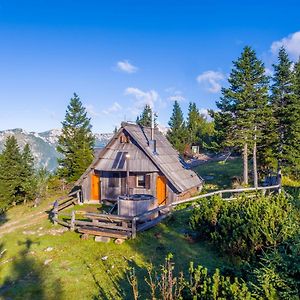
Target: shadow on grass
{"x": 3, "y": 218}
{"x": 27, "y": 279}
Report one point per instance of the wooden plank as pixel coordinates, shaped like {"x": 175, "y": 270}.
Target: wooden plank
{"x": 62, "y": 202}
{"x": 67, "y": 204}
{"x": 61, "y": 222}
{"x": 150, "y": 224}
{"x": 134, "y": 228}
{"x": 108, "y": 217}
{"x": 151, "y": 212}
{"x": 102, "y": 225}
{"x": 225, "y": 191}
{"x": 107, "y": 232}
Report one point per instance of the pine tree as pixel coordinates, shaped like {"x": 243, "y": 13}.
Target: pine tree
{"x": 10, "y": 174}
{"x": 282, "y": 106}
{"x": 293, "y": 143}
{"x": 193, "y": 123}
{"x": 29, "y": 182}
{"x": 76, "y": 141}
{"x": 177, "y": 134}
{"x": 244, "y": 105}
{"x": 145, "y": 118}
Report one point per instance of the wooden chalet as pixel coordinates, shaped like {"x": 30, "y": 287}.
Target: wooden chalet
{"x": 138, "y": 160}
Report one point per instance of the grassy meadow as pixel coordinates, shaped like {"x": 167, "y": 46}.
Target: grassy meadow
{"x": 42, "y": 261}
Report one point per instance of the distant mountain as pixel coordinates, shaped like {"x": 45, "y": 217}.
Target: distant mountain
{"x": 43, "y": 144}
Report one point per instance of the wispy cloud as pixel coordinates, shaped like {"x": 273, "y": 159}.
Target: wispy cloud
{"x": 91, "y": 110}
{"x": 291, "y": 43}
{"x": 141, "y": 98}
{"x": 126, "y": 66}
{"x": 211, "y": 80}
{"x": 115, "y": 107}
{"x": 112, "y": 109}
{"x": 178, "y": 98}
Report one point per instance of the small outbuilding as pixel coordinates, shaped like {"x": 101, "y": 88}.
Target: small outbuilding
{"x": 138, "y": 161}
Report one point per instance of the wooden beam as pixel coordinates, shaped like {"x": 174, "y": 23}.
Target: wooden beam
{"x": 107, "y": 232}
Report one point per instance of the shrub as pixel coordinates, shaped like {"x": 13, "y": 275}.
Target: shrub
{"x": 246, "y": 226}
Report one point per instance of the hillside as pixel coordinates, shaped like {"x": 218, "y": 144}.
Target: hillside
{"x": 43, "y": 144}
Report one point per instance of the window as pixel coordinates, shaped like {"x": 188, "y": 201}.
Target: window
{"x": 114, "y": 180}
{"x": 141, "y": 181}
{"x": 124, "y": 139}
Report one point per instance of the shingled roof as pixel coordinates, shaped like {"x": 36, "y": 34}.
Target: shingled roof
{"x": 165, "y": 159}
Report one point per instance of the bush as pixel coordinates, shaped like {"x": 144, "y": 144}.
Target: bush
{"x": 245, "y": 227}
{"x": 199, "y": 285}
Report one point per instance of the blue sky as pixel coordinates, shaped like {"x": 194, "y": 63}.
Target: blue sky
{"x": 119, "y": 55}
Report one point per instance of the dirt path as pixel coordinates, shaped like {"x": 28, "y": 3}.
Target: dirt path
{"x": 23, "y": 222}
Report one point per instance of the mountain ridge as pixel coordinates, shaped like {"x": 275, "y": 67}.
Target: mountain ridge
{"x": 43, "y": 144}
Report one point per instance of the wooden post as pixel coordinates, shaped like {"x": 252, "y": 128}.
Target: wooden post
{"x": 134, "y": 228}
{"x": 72, "y": 227}
{"x": 55, "y": 212}
{"x": 279, "y": 181}
{"x": 255, "y": 175}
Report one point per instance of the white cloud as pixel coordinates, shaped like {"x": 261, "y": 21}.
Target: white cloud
{"x": 126, "y": 66}
{"x": 268, "y": 72}
{"x": 211, "y": 80}
{"x": 178, "y": 98}
{"x": 112, "y": 109}
{"x": 141, "y": 98}
{"x": 115, "y": 107}
{"x": 291, "y": 43}
{"x": 91, "y": 110}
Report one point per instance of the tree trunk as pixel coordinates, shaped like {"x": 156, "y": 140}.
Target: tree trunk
{"x": 255, "y": 176}
{"x": 245, "y": 162}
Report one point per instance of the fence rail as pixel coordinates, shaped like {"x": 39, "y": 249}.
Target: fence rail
{"x": 124, "y": 227}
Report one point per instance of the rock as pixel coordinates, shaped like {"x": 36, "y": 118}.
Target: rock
{"x": 48, "y": 249}
{"x": 104, "y": 257}
{"x": 47, "y": 261}
{"x": 102, "y": 239}
{"x": 119, "y": 241}
{"x": 84, "y": 236}
{"x": 29, "y": 232}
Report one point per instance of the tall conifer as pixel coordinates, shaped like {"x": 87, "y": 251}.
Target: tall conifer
{"x": 76, "y": 141}
{"x": 29, "y": 183}
{"x": 177, "y": 134}
{"x": 10, "y": 174}
{"x": 244, "y": 105}
{"x": 145, "y": 118}
{"x": 282, "y": 101}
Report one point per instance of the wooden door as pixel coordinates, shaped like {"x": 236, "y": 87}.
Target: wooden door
{"x": 95, "y": 187}
{"x": 161, "y": 190}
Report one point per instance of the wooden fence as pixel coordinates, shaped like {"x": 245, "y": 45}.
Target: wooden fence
{"x": 124, "y": 227}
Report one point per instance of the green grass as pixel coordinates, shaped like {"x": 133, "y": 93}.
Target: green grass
{"x": 218, "y": 175}
{"x": 77, "y": 270}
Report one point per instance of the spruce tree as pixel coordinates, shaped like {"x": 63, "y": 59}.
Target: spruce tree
{"x": 282, "y": 101}
{"x": 29, "y": 182}
{"x": 10, "y": 174}
{"x": 76, "y": 141}
{"x": 193, "y": 123}
{"x": 293, "y": 109}
{"x": 145, "y": 118}
{"x": 177, "y": 134}
{"x": 244, "y": 105}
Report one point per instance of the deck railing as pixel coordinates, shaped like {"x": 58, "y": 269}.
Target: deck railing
{"x": 124, "y": 227}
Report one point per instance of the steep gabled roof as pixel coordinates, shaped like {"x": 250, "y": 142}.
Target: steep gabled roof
{"x": 166, "y": 158}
